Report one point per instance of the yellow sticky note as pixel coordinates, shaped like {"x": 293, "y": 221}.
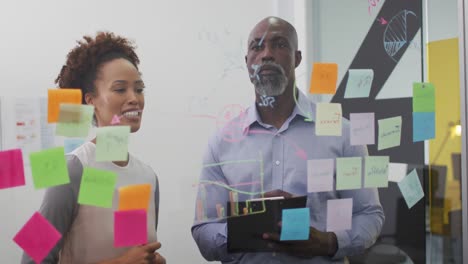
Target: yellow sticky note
{"x": 328, "y": 120}
{"x": 324, "y": 78}
{"x": 134, "y": 197}
{"x": 59, "y": 96}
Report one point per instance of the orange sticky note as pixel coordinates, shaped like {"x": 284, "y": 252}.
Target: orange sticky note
{"x": 324, "y": 78}
{"x": 59, "y": 96}
{"x": 134, "y": 197}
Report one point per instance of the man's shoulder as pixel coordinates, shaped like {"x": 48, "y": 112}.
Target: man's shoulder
{"x": 234, "y": 129}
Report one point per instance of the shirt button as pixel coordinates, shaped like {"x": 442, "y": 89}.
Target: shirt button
{"x": 277, "y": 162}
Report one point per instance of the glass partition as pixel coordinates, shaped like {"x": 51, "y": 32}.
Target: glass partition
{"x": 403, "y": 42}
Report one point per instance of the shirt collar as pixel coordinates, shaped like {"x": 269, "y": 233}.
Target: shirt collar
{"x": 303, "y": 108}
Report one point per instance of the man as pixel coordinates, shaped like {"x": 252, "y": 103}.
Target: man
{"x": 268, "y": 158}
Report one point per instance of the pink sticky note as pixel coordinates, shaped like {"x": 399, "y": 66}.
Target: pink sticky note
{"x": 339, "y": 214}
{"x": 115, "y": 120}
{"x": 320, "y": 175}
{"x": 37, "y": 237}
{"x": 11, "y": 168}
{"x": 362, "y": 128}
{"x": 130, "y": 228}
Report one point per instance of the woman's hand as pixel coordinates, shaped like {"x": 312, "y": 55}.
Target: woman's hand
{"x": 143, "y": 255}
{"x": 159, "y": 259}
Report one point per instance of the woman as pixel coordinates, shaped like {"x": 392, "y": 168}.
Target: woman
{"x": 105, "y": 68}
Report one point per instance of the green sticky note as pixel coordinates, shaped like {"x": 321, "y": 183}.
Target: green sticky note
{"x": 74, "y": 120}
{"x": 423, "y": 97}
{"x": 348, "y": 173}
{"x": 411, "y": 188}
{"x": 97, "y": 187}
{"x": 359, "y": 83}
{"x": 112, "y": 143}
{"x": 328, "y": 119}
{"x": 376, "y": 171}
{"x": 49, "y": 168}
{"x": 389, "y": 132}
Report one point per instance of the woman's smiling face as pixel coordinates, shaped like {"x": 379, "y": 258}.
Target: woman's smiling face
{"x": 118, "y": 91}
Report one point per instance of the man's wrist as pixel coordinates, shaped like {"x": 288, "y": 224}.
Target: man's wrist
{"x": 332, "y": 244}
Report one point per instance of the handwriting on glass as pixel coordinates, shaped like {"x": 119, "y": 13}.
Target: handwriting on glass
{"x": 266, "y": 101}
{"x": 113, "y": 140}
{"x": 372, "y": 5}
{"x": 335, "y": 120}
{"x": 352, "y": 172}
{"x": 49, "y": 165}
{"x": 97, "y": 180}
{"x": 396, "y": 130}
{"x": 364, "y": 82}
{"x": 374, "y": 171}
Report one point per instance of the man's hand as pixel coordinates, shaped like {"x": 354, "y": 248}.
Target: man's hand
{"x": 276, "y": 193}
{"x": 318, "y": 244}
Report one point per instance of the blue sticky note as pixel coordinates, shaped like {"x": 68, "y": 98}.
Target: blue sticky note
{"x": 423, "y": 126}
{"x": 411, "y": 188}
{"x": 71, "y": 144}
{"x": 295, "y": 224}
{"x": 359, "y": 83}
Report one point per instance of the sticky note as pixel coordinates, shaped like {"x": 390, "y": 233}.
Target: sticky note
{"x": 49, "y": 167}
{"x": 389, "y": 132}
{"x": 423, "y": 97}
{"x": 11, "y": 168}
{"x": 130, "y": 228}
{"x": 328, "y": 119}
{"x": 359, "y": 83}
{"x": 396, "y": 171}
{"x": 320, "y": 175}
{"x": 112, "y": 143}
{"x": 411, "y": 189}
{"x": 423, "y": 126}
{"x": 97, "y": 187}
{"x": 362, "y": 128}
{"x": 134, "y": 197}
{"x": 295, "y": 224}
{"x": 77, "y": 120}
{"x": 324, "y": 77}
{"x": 376, "y": 171}
{"x": 37, "y": 237}
{"x": 339, "y": 214}
{"x": 60, "y": 96}
{"x": 348, "y": 173}
{"x": 69, "y": 113}
{"x": 70, "y": 144}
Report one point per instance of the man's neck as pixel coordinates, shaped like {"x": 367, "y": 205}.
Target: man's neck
{"x": 277, "y": 112}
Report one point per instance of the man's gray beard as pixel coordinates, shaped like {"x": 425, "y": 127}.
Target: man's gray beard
{"x": 271, "y": 85}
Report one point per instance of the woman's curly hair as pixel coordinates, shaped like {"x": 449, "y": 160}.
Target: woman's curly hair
{"x": 83, "y": 61}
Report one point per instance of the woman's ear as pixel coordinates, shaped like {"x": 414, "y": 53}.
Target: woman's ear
{"x": 89, "y": 99}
